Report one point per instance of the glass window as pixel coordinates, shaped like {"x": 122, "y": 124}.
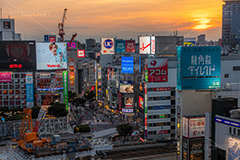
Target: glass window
{"x": 5, "y": 86}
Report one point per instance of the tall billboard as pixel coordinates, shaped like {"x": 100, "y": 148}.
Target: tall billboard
{"x": 120, "y": 46}
{"x": 147, "y": 45}
{"x": 126, "y": 88}
{"x": 193, "y": 127}
{"x": 141, "y": 102}
{"x": 107, "y": 45}
{"x": 127, "y": 65}
{"x": 51, "y": 56}
{"x": 65, "y": 88}
{"x": 17, "y": 55}
{"x": 156, "y": 70}
{"x": 130, "y": 46}
{"x": 29, "y": 90}
{"x": 129, "y": 102}
{"x": 199, "y": 67}
{"x": 233, "y": 151}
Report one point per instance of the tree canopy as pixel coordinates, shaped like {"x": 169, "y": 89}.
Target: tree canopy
{"x": 58, "y": 110}
{"x": 124, "y": 129}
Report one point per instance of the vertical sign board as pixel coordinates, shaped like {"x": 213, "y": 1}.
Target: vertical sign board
{"x": 147, "y": 45}
{"x": 107, "y": 45}
{"x": 65, "y": 88}
{"x": 29, "y": 89}
{"x": 145, "y": 110}
{"x": 127, "y": 65}
{"x": 199, "y": 67}
{"x": 157, "y": 70}
{"x": 120, "y": 46}
{"x": 130, "y": 46}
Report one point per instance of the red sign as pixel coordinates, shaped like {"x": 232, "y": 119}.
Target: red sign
{"x": 162, "y": 89}
{"x": 5, "y": 77}
{"x": 157, "y": 70}
{"x": 130, "y": 46}
{"x": 52, "y": 39}
{"x": 81, "y": 53}
{"x": 15, "y": 65}
{"x": 141, "y": 102}
{"x": 163, "y": 132}
{"x": 145, "y": 121}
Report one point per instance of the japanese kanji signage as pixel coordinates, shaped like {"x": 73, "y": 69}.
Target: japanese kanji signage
{"x": 199, "y": 67}
{"x": 193, "y": 127}
{"x": 157, "y": 70}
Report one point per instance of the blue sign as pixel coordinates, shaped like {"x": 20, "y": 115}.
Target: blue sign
{"x": 140, "y": 63}
{"x": 46, "y": 38}
{"x": 227, "y": 122}
{"x": 120, "y": 46}
{"x": 199, "y": 67}
{"x": 161, "y": 107}
{"x": 127, "y": 65}
{"x": 108, "y": 43}
{"x": 29, "y": 90}
{"x": 127, "y": 110}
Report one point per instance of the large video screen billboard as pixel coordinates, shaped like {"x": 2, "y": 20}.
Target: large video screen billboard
{"x": 130, "y": 46}
{"x": 127, "y": 65}
{"x": 233, "y": 149}
{"x": 17, "y": 55}
{"x": 199, "y": 67}
{"x": 51, "y": 56}
{"x": 126, "y": 88}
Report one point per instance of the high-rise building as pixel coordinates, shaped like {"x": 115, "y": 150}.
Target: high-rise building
{"x": 7, "y": 30}
{"x": 201, "y": 39}
{"x": 231, "y": 23}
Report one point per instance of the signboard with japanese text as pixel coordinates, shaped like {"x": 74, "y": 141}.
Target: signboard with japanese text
{"x": 157, "y": 70}
{"x": 147, "y": 45}
{"x": 5, "y": 77}
{"x": 193, "y": 127}
{"x": 29, "y": 90}
{"x": 130, "y": 46}
{"x": 199, "y": 67}
{"x": 120, "y": 46}
{"x": 65, "y": 88}
{"x": 81, "y": 53}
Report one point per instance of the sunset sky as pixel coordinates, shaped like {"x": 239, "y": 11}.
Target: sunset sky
{"x": 109, "y": 18}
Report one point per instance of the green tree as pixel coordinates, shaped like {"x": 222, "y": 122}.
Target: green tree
{"x": 58, "y": 110}
{"x": 124, "y": 130}
{"x": 35, "y": 111}
{"x": 82, "y": 128}
{"x": 71, "y": 95}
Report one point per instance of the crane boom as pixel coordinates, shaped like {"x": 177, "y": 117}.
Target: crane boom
{"x": 61, "y": 26}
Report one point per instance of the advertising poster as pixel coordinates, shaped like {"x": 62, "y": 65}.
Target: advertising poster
{"x": 71, "y": 71}
{"x": 147, "y": 45}
{"x": 81, "y": 53}
{"x": 17, "y": 55}
{"x": 141, "y": 102}
{"x": 199, "y": 67}
{"x": 157, "y": 70}
{"x": 130, "y": 46}
{"x": 65, "y": 89}
{"x": 127, "y": 110}
{"x": 129, "y": 102}
{"x": 29, "y": 90}
{"x": 5, "y": 77}
{"x": 193, "y": 127}
{"x": 233, "y": 148}
{"x": 126, "y": 88}
{"x": 120, "y": 46}
{"x": 99, "y": 73}
{"x": 127, "y": 65}
{"x": 107, "y": 45}
{"x": 51, "y": 56}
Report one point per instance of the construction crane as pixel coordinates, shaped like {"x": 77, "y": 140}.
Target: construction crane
{"x": 61, "y": 26}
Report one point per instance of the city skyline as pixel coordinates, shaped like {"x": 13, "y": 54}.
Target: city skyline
{"x": 110, "y": 18}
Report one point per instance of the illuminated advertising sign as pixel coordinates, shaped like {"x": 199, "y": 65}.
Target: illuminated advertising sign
{"x": 126, "y": 88}
{"x": 162, "y": 89}
{"x": 81, "y": 53}
{"x": 233, "y": 151}
{"x": 51, "y": 56}
{"x": 189, "y": 43}
{"x": 129, "y": 102}
{"x": 127, "y": 65}
{"x": 161, "y": 107}
{"x": 127, "y": 110}
{"x": 17, "y": 54}
{"x": 5, "y": 77}
{"x": 130, "y": 46}
{"x": 71, "y": 71}
{"x": 199, "y": 67}
{"x": 29, "y": 90}
{"x": 107, "y": 45}
{"x": 71, "y": 45}
{"x": 141, "y": 103}
{"x": 65, "y": 89}
{"x": 50, "y": 38}
{"x": 193, "y": 127}
{"x": 99, "y": 73}
{"x": 120, "y": 46}
{"x": 157, "y": 70}
{"x": 147, "y": 45}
